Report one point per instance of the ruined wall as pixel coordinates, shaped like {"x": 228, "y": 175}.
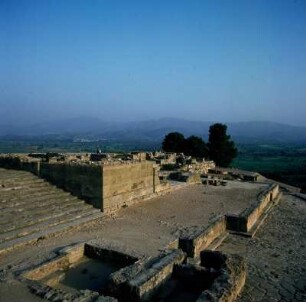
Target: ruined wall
{"x": 196, "y": 240}
{"x": 125, "y": 184}
{"x": 83, "y": 181}
{"x": 249, "y": 217}
{"x": 19, "y": 162}
{"x": 107, "y": 187}
{"x": 258, "y": 208}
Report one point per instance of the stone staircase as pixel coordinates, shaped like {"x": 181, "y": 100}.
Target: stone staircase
{"x": 32, "y": 208}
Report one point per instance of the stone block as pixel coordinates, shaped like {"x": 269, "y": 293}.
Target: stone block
{"x": 139, "y": 281}
{"x": 232, "y": 275}
{"x": 195, "y": 240}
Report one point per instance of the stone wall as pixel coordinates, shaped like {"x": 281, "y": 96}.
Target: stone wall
{"x": 195, "y": 240}
{"x": 227, "y": 286}
{"x": 246, "y": 220}
{"x": 83, "y": 181}
{"x": 105, "y": 186}
{"x": 139, "y": 281}
{"x": 20, "y": 162}
{"x": 108, "y": 254}
{"x": 108, "y": 187}
{"x": 67, "y": 258}
{"x": 126, "y": 183}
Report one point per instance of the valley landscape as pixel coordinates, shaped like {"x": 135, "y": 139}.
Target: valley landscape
{"x": 275, "y": 150}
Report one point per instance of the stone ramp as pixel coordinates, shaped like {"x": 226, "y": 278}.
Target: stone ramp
{"x": 32, "y": 208}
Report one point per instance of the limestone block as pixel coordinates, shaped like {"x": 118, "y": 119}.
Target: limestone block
{"x": 195, "y": 240}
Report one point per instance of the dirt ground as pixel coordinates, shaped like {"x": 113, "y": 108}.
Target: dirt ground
{"x": 141, "y": 229}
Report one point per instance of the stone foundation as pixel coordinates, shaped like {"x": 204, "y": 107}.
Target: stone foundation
{"x": 231, "y": 279}
{"x": 105, "y": 186}
{"x": 246, "y": 221}
{"x": 139, "y": 281}
{"x": 218, "y": 277}
{"x": 195, "y": 240}
{"x": 43, "y": 280}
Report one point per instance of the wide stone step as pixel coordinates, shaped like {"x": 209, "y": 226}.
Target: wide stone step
{"x": 21, "y": 182}
{"x": 6, "y": 192}
{"x": 53, "y": 220}
{"x": 39, "y": 202}
{"x": 40, "y": 209}
{"x": 32, "y": 198}
{"x": 27, "y": 190}
{"x": 20, "y": 186}
{"x": 9, "y": 244}
{"x": 40, "y": 214}
{"x": 32, "y": 184}
{"x": 15, "y": 181}
{"x": 6, "y": 173}
{"x": 31, "y": 207}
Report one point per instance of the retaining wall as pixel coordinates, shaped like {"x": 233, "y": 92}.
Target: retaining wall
{"x": 248, "y": 217}
{"x": 68, "y": 257}
{"x": 125, "y": 184}
{"x": 107, "y": 187}
{"x": 83, "y": 181}
{"x": 227, "y": 286}
{"x": 198, "y": 239}
{"x": 139, "y": 281}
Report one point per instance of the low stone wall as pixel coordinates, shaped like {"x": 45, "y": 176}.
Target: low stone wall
{"x": 198, "y": 239}
{"x": 138, "y": 282}
{"x": 191, "y": 177}
{"x": 109, "y": 255}
{"x": 227, "y": 286}
{"x": 219, "y": 277}
{"x": 36, "y": 277}
{"x": 57, "y": 295}
{"x": 248, "y": 217}
{"x": 68, "y": 256}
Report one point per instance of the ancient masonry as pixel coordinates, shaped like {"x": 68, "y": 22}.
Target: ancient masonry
{"x": 107, "y": 186}
{"x": 215, "y": 276}
{"x": 188, "y": 267}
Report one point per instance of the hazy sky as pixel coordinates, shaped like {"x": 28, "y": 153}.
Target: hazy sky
{"x": 134, "y": 60}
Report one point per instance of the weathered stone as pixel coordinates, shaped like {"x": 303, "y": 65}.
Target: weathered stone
{"x": 195, "y": 240}
{"x": 230, "y": 282}
{"x": 139, "y": 281}
{"x": 246, "y": 220}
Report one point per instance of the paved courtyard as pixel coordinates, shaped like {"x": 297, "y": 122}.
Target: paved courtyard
{"x": 276, "y": 256}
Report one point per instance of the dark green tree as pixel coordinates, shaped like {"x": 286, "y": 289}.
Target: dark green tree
{"x": 195, "y": 147}
{"x": 174, "y": 142}
{"x": 222, "y": 149}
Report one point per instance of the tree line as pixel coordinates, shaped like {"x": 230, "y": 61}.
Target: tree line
{"x": 219, "y": 148}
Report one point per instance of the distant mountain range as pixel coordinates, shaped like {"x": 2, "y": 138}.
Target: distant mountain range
{"x": 152, "y": 130}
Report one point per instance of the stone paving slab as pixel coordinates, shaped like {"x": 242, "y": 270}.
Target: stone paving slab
{"x": 276, "y": 256}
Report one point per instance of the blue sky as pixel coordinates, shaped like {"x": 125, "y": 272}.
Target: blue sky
{"x": 234, "y": 60}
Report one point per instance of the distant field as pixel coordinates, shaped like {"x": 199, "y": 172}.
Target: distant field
{"x": 28, "y": 146}
{"x": 286, "y": 163}
{"x": 269, "y": 163}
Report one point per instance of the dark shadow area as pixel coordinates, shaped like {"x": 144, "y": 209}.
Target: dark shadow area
{"x": 89, "y": 274}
